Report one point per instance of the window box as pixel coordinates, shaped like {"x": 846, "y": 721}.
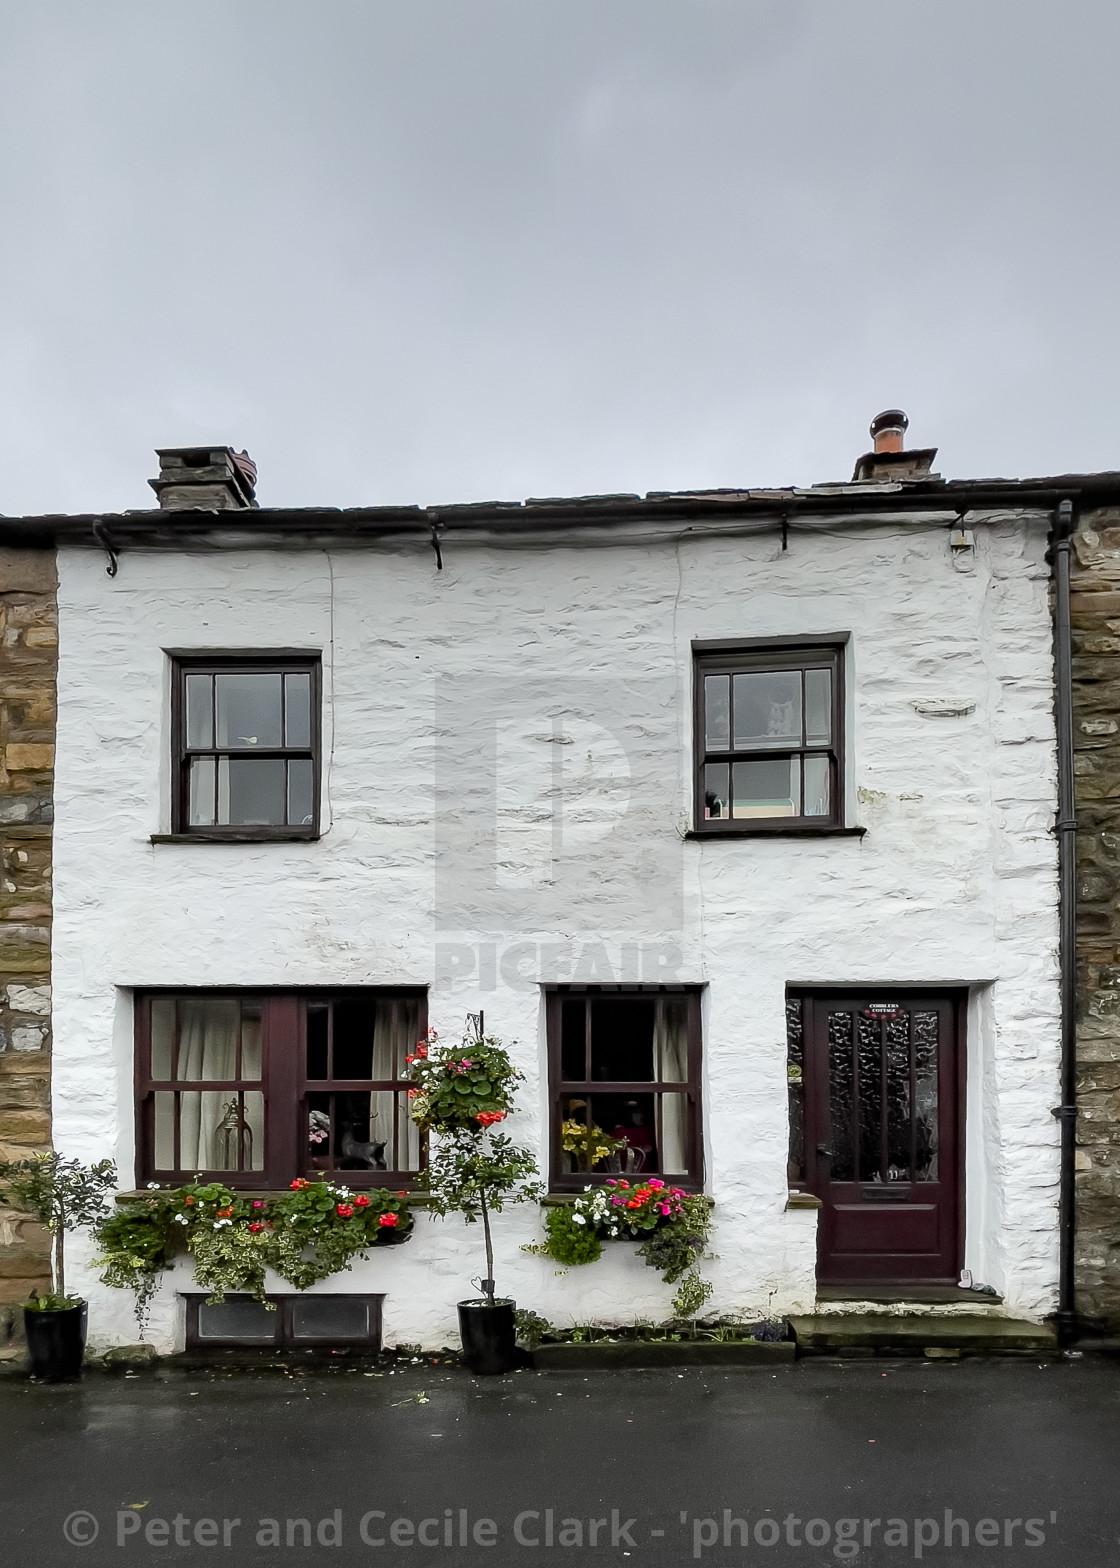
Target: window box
{"x": 294, "y": 1322}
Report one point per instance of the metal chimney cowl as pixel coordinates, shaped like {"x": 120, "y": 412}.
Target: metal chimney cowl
{"x": 888, "y": 460}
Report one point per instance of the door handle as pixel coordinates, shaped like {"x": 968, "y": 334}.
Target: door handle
{"x": 827, "y": 1154}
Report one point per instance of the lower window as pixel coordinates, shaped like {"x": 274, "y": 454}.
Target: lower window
{"x": 286, "y": 1322}
{"x": 624, "y": 1081}
{"x": 256, "y": 1088}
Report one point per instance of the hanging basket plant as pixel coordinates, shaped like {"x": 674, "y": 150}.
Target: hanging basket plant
{"x": 470, "y": 1085}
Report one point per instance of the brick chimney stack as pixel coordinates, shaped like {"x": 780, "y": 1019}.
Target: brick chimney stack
{"x": 888, "y": 460}
{"x": 204, "y": 479}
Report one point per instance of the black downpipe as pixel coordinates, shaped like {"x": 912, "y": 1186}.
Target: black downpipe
{"x": 1065, "y": 828}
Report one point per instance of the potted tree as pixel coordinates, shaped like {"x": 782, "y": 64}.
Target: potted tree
{"x": 63, "y": 1195}
{"x": 460, "y": 1094}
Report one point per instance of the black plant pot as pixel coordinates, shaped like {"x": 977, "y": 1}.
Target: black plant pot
{"x": 56, "y": 1341}
{"x": 489, "y": 1336}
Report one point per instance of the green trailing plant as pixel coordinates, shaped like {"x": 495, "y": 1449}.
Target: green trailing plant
{"x": 460, "y": 1094}
{"x": 313, "y": 1230}
{"x": 531, "y": 1327}
{"x": 569, "y": 1239}
{"x": 691, "y": 1294}
{"x": 64, "y": 1196}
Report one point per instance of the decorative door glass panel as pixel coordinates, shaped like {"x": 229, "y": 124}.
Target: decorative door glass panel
{"x": 883, "y": 1096}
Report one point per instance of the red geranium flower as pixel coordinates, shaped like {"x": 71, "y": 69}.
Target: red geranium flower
{"x": 402, "y": 1194}
{"x": 256, "y": 1226}
{"x": 224, "y": 1214}
{"x": 344, "y": 1209}
{"x": 361, "y": 1201}
{"x": 298, "y": 1185}
{"x": 412, "y": 1093}
{"x": 387, "y": 1219}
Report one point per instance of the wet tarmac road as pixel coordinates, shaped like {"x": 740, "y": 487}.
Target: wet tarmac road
{"x": 812, "y": 1463}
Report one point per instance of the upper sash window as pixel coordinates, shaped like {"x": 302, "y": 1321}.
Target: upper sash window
{"x": 246, "y": 739}
{"x": 769, "y": 741}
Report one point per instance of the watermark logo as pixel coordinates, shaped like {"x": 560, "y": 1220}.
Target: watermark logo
{"x": 557, "y": 804}
{"x": 81, "y": 1528}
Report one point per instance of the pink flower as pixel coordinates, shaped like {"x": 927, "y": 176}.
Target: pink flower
{"x": 653, "y": 1182}
{"x": 258, "y": 1203}
{"x": 664, "y": 1207}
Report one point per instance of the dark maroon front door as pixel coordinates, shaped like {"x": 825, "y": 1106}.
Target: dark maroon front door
{"x": 883, "y": 1135}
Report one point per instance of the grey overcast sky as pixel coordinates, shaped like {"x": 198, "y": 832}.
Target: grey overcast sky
{"x": 450, "y": 250}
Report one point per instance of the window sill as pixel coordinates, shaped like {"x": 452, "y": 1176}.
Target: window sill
{"x": 417, "y": 1200}
{"x": 234, "y": 838}
{"x": 775, "y": 832}
{"x": 803, "y": 1200}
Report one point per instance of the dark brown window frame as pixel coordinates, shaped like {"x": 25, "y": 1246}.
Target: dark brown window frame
{"x": 283, "y": 1082}
{"x": 749, "y": 655}
{"x": 249, "y": 661}
{"x": 561, "y": 1180}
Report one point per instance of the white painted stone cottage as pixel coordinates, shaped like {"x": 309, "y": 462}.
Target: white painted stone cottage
{"x": 733, "y": 810}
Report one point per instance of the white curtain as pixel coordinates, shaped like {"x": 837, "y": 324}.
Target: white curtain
{"x": 214, "y": 1124}
{"x": 670, "y": 1065}
{"x": 394, "y": 1036}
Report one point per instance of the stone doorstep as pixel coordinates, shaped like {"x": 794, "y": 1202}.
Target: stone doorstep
{"x": 601, "y": 1356}
{"x": 907, "y": 1297}
{"x": 880, "y": 1333}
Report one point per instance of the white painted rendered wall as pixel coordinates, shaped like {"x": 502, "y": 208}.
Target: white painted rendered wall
{"x": 583, "y": 654}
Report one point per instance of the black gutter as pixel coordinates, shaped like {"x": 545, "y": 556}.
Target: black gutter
{"x": 267, "y": 526}
{"x": 1065, "y": 828}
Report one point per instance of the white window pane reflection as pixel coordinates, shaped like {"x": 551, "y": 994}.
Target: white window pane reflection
{"x": 817, "y": 787}
{"x": 768, "y": 708}
{"x": 251, "y": 792}
{"x": 249, "y": 710}
{"x": 818, "y": 707}
{"x": 717, "y": 712}
{"x": 200, "y": 804}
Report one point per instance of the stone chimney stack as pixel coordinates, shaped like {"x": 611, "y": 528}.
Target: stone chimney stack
{"x": 204, "y": 479}
{"x": 888, "y": 460}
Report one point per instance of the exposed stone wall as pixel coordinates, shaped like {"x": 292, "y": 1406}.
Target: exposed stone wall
{"x": 28, "y": 664}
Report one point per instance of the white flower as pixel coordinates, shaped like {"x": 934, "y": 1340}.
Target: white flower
{"x": 578, "y": 1219}
{"x": 181, "y": 1219}
{"x": 153, "y": 1186}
